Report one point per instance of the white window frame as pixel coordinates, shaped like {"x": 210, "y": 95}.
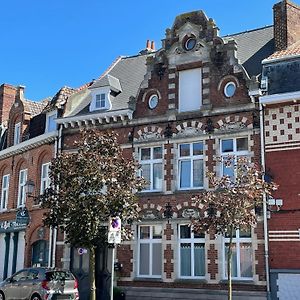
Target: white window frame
{"x": 98, "y": 91}
{"x": 152, "y": 162}
{"x": 237, "y": 241}
{"x": 192, "y": 240}
{"x": 235, "y": 153}
{"x": 100, "y": 101}
{"x": 150, "y": 241}
{"x": 190, "y": 158}
{"x": 22, "y": 188}
{"x": 45, "y": 181}
{"x": 4, "y": 192}
{"x": 49, "y": 117}
{"x": 17, "y": 133}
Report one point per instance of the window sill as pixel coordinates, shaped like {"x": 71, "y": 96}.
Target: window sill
{"x": 239, "y": 281}
{"x": 147, "y": 279}
{"x": 191, "y": 280}
{"x": 190, "y": 191}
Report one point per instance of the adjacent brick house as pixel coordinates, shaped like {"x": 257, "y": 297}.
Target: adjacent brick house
{"x": 281, "y": 131}
{"x": 28, "y": 143}
{"x": 175, "y": 109}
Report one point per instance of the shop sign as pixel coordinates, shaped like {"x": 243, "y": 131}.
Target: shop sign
{"x": 20, "y": 223}
{"x": 22, "y": 216}
{"x": 10, "y": 226}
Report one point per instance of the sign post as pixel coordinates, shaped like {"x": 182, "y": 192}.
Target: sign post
{"x": 114, "y": 237}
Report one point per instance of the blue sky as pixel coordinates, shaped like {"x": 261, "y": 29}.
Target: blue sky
{"x": 49, "y": 44}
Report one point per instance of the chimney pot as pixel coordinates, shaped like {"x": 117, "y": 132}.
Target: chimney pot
{"x": 148, "y": 46}
{"x": 152, "y": 45}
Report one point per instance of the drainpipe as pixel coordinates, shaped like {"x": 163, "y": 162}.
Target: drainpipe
{"x": 263, "y": 163}
{"x": 50, "y": 248}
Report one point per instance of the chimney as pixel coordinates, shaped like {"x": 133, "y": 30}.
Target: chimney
{"x": 286, "y": 24}
{"x": 7, "y": 98}
{"x": 20, "y": 92}
{"x": 150, "y": 47}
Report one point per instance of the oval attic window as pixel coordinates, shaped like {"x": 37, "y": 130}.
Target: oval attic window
{"x": 229, "y": 89}
{"x": 190, "y": 43}
{"x": 153, "y": 101}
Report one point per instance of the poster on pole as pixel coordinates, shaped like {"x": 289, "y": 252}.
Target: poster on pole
{"x": 114, "y": 230}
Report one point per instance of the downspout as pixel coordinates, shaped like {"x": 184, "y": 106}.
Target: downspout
{"x": 50, "y": 248}
{"x": 263, "y": 163}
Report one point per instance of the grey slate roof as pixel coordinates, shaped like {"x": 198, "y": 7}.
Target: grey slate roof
{"x": 125, "y": 75}
{"x": 252, "y": 47}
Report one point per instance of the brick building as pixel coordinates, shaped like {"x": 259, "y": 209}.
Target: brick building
{"x": 281, "y": 131}
{"x": 28, "y": 143}
{"x": 175, "y": 109}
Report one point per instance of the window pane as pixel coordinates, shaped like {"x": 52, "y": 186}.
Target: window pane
{"x": 233, "y": 261}
{"x": 144, "y": 259}
{"x": 156, "y": 259}
{"x": 199, "y": 235}
{"x": 145, "y": 172}
{"x": 198, "y": 173}
{"x": 242, "y": 144}
{"x": 157, "y": 152}
{"x": 144, "y": 232}
{"x": 245, "y": 233}
{"x": 246, "y": 260}
{"x": 185, "y": 173}
{"x": 145, "y": 153}
{"x": 227, "y": 145}
{"x": 185, "y": 259}
{"x": 199, "y": 260}
{"x": 184, "y": 150}
{"x": 228, "y": 169}
{"x": 185, "y": 232}
{"x": 157, "y": 231}
{"x": 157, "y": 176}
{"x": 197, "y": 148}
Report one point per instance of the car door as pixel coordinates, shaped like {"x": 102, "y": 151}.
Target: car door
{"x": 31, "y": 284}
{"x": 14, "y": 288}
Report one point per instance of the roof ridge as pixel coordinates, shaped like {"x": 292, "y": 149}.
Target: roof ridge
{"x": 246, "y": 31}
{"x": 110, "y": 67}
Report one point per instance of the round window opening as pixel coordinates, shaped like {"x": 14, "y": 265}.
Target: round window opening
{"x": 229, "y": 89}
{"x": 153, "y": 101}
{"x": 190, "y": 43}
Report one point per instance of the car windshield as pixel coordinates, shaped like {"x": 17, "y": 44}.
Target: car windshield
{"x": 58, "y": 275}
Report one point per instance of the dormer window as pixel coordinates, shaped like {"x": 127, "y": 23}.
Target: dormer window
{"x": 50, "y": 121}
{"x": 17, "y": 133}
{"x": 103, "y": 92}
{"x": 100, "y": 101}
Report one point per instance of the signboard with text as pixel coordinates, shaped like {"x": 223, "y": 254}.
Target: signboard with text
{"x": 114, "y": 230}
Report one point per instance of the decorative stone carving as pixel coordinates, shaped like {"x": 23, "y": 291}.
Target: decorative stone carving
{"x": 189, "y": 131}
{"x": 150, "y": 136}
{"x": 149, "y": 214}
{"x": 190, "y": 213}
{"x": 232, "y": 126}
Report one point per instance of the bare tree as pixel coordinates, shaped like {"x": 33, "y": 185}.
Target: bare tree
{"x": 230, "y": 203}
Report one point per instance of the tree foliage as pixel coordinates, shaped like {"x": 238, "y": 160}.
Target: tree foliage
{"x": 90, "y": 185}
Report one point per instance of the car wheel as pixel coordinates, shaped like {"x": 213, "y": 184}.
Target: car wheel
{"x": 35, "y": 297}
{"x": 1, "y": 296}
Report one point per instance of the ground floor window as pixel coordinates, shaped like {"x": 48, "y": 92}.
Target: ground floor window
{"x": 191, "y": 253}
{"x": 150, "y": 251}
{"x": 242, "y": 257}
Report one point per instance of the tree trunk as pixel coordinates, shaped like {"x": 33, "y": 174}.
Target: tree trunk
{"x": 92, "y": 274}
{"x": 229, "y": 265}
